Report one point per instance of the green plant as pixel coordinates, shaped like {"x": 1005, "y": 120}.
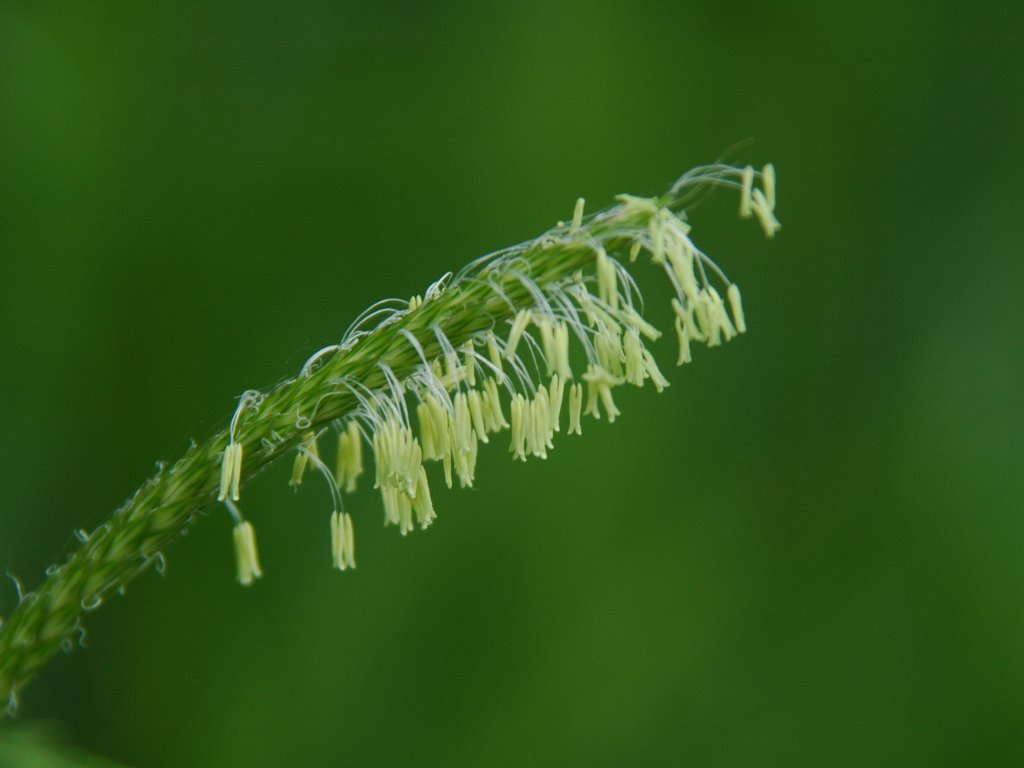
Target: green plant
{"x": 419, "y": 381}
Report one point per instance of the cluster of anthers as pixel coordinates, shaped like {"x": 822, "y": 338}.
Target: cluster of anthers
{"x": 556, "y": 350}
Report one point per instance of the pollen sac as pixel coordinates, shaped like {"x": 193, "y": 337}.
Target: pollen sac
{"x": 423, "y": 505}
{"x": 556, "y": 393}
{"x": 633, "y": 350}
{"x": 520, "y": 426}
{"x": 745, "y": 196}
{"x": 230, "y": 472}
{"x": 575, "y": 409}
{"x": 494, "y": 418}
{"x": 493, "y": 354}
{"x": 768, "y": 182}
{"x": 607, "y": 280}
{"x": 350, "y": 457}
{"x": 398, "y": 456}
{"x": 599, "y": 388}
{"x": 765, "y": 214}
{"x": 736, "y": 305}
{"x": 476, "y": 412}
{"x": 246, "y": 556}
{"x": 343, "y": 550}
{"x": 306, "y": 449}
{"x": 577, "y": 214}
{"x": 522, "y": 320}
{"x": 684, "y": 343}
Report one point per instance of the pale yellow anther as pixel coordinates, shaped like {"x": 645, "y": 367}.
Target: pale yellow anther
{"x": 423, "y": 505}
{"x": 464, "y": 438}
{"x": 298, "y": 469}
{"x": 637, "y": 206}
{"x": 246, "y": 556}
{"x": 476, "y": 411}
{"x": 651, "y": 370}
{"x": 343, "y": 551}
{"x": 721, "y": 315}
{"x": 635, "y": 319}
{"x": 236, "y": 474}
{"x": 547, "y": 340}
{"x": 577, "y": 214}
{"x": 382, "y": 452}
{"x": 389, "y": 497}
{"x": 454, "y": 371}
{"x": 682, "y": 257}
{"x": 633, "y": 350}
{"x": 608, "y": 349}
{"x": 355, "y": 446}
{"x": 687, "y": 316}
{"x": 679, "y": 309}
{"x": 440, "y": 420}
{"x": 428, "y": 437}
{"x": 656, "y": 229}
{"x": 634, "y": 250}
{"x": 519, "y": 409}
{"x": 469, "y": 359}
{"x": 492, "y": 351}
{"x": 599, "y": 387}
{"x": 556, "y": 392}
{"x": 540, "y": 422}
{"x": 596, "y": 315}
{"x": 350, "y": 457}
{"x": 745, "y": 191}
{"x": 522, "y": 320}
{"x": 397, "y": 508}
{"x": 350, "y": 542}
{"x": 562, "y": 351}
{"x": 494, "y": 416}
{"x": 337, "y": 530}
{"x": 413, "y": 461}
{"x": 607, "y": 280}
{"x": 342, "y": 541}
{"x": 446, "y": 462}
{"x": 684, "y": 342}
{"x": 703, "y": 318}
{"x": 575, "y": 408}
{"x": 609, "y": 403}
{"x": 404, "y": 513}
{"x": 768, "y": 182}
{"x": 765, "y": 214}
{"x": 306, "y": 448}
{"x": 230, "y": 472}
{"x": 736, "y": 304}
{"x": 397, "y": 455}
{"x": 465, "y": 465}
{"x": 536, "y": 427}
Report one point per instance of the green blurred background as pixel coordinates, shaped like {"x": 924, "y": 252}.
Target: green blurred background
{"x": 809, "y": 551}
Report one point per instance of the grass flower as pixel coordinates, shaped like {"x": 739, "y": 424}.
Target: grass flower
{"x": 421, "y": 384}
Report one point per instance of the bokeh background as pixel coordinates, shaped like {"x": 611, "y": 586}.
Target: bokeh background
{"x": 809, "y": 551}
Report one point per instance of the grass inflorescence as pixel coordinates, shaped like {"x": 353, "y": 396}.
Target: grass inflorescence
{"x": 494, "y": 348}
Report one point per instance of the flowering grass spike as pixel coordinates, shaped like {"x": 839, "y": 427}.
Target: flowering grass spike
{"x": 504, "y": 346}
